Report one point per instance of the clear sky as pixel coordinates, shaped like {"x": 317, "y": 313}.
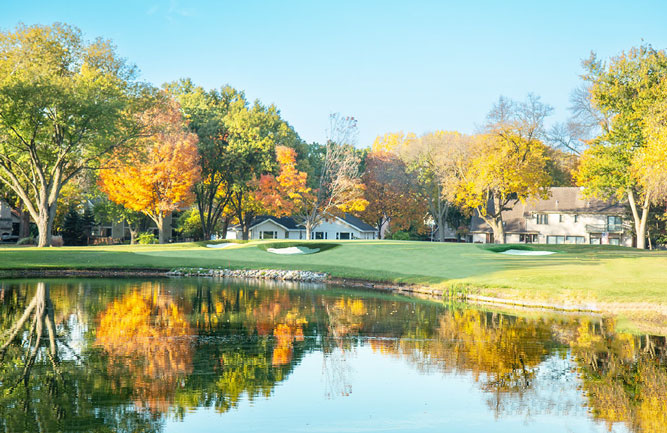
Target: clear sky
{"x": 394, "y": 65}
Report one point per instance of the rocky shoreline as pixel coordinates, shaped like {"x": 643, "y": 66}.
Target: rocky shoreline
{"x": 262, "y": 274}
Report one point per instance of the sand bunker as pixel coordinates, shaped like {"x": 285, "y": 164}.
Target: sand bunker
{"x": 527, "y": 253}
{"x": 293, "y": 250}
{"x": 225, "y": 245}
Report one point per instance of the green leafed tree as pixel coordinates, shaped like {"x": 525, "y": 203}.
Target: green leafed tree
{"x": 626, "y": 90}
{"x": 64, "y": 103}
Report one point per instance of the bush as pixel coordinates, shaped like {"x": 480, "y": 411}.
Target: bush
{"x": 30, "y": 240}
{"x": 57, "y": 241}
{"x": 146, "y": 238}
{"x": 400, "y": 236}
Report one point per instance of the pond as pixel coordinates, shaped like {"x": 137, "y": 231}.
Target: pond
{"x": 183, "y": 355}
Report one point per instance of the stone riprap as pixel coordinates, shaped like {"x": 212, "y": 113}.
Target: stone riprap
{"x": 263, "y": 274}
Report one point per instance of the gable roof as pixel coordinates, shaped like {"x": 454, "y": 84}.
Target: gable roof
{"x": 356, "y": 222}
{"x": 561, "y": 200}
{"x": 286, "y": 222}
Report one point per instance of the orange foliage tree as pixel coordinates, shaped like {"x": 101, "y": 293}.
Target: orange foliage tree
{"x": 158, "y": 178}
{"x": 393, "y": 195}
{"x": 287, "y": 193}
{"x": 339, "y": 189}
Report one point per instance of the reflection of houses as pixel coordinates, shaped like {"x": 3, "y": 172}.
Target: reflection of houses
{"x": 566, "y": 217}
{"x": 9, "y": 221}
{"x": 334, "y": 227}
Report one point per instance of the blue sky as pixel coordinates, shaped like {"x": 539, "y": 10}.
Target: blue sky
{"x": 395, "y": 66}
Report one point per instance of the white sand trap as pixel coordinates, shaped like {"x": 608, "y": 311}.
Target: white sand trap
{"x": 527, "y": 253}
{"x": 293, "y": 250}
{"x": 225, "y": 245}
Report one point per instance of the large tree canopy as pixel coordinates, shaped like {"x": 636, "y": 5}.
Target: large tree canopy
{"x": 628, "y": 91}
{"x": 64, "y": 103}
{"x": 158, "y": 178}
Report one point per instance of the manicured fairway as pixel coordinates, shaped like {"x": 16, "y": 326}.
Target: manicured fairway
{"x": 575, "y": 274}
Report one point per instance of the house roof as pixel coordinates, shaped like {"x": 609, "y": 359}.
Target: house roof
{"x": 561, "y": 200}
{"x": 356, "y": 222}
{"x": 291, "y": 224}
{"x": 286, "y": 222}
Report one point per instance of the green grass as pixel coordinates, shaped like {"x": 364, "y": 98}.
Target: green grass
{"x": 576, "y": 274}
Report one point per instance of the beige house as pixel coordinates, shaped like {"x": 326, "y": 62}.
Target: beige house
{"x": 566, "y": 217}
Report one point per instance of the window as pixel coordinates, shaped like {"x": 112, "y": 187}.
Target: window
{"x": 595, "y": 240}
{"x": 542, "y": 219}
{"x": 528, "y": 239}
{"x": 319, "y": 235}
{"x": 575, "y": 240}
{"x": 576, "y": 218}
{"x": 555, "y": 239}
{"x": 269, "y": 235}
{"x": 560, "y": 218}
{"x": 614, "y": 241}
{"x": 614, "y": 223}
{"x": 343, "y": 235}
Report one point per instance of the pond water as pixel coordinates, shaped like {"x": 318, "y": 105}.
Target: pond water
{"x": 184, "y": 355}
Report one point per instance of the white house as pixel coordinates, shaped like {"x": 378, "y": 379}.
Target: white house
{"x": 332, "y": 228}
{"x": 566, "y": 217}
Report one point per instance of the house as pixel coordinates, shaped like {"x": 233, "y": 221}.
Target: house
{"x": 566, "y": 217}
{"x": 9, "y": 222}
{"x": 332, "y": 227}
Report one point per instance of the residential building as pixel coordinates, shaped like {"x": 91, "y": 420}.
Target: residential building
{"x": 566, "y": 217}
{"x": 9, "y": 222}
{"x": 333, "y": 227}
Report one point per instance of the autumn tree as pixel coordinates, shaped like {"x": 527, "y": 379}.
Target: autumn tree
{"x": 65, "y": 103}
{"x": 627, "y": 90}
{"x": 338, "y": 187}
{"x": 287, "y": 193}
{"x": 507, "y": 164}
{"x": 158, "y": 178}
{"x": 209, "y": 113}
{"x": 436, "y": 160}
{"x": 392, "y": 193}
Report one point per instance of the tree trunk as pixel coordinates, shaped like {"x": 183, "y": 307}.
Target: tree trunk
{"x": 498, "y": 230}
{"x": 24, "y": 222}
{"x": 225, "y": 227}
{"x": 162, "y": 237}
{"x": 309, "y": 230}
{"x": 44, "y": 228}
{"x": 133, "y": 236}
{"x": 640, "y": 221}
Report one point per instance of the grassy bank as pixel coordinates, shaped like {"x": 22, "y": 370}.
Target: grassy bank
{"x": 625, "y": 281}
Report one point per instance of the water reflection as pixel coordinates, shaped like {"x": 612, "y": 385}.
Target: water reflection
{"x": 100, "y": 355}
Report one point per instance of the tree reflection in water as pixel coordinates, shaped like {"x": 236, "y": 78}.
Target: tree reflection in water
{"x": 159, "y": 349}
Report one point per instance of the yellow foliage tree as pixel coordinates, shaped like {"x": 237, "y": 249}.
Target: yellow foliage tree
{"x": 158, "y": 178}
{"x": 500, "y": 173}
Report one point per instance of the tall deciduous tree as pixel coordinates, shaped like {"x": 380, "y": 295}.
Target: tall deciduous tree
{"x": 64, "y": 104}
{"x": 508, "y": 163}
{"x": 392, "y": 193}
{"x": 436, "y": 160}
{"x": 287, "y": 193}
{"x": 338, "y": 187}
{"x": 207, "y": 113}
{"x": 158, "y": 179}
{"x": 626, "y": 90}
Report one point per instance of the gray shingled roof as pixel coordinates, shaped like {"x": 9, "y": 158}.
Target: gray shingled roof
{"x": 568, "y": 200}
{"x": 287, "y": 222}
{"x": 351, "y": 219}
